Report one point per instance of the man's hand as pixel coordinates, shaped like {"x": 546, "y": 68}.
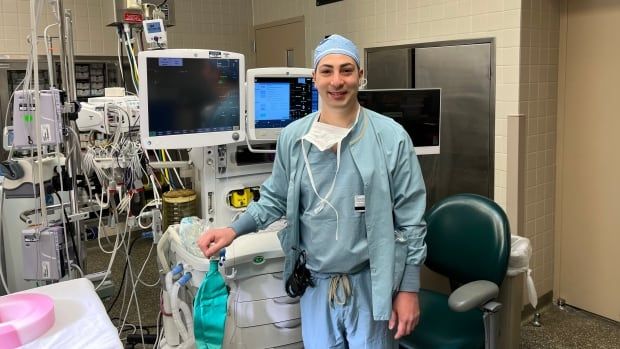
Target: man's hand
{"x": 214, "y": 240}
{"x": 405, "y": 313}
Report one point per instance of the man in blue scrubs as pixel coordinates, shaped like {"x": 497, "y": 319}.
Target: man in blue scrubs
{"x": 349, "y": 184}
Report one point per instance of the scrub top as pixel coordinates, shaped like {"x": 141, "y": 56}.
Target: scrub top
{"x": 327, "y": 252}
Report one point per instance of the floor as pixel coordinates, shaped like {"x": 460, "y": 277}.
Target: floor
{"x": 566, "y": 328}
{"x": 570, "y": 328}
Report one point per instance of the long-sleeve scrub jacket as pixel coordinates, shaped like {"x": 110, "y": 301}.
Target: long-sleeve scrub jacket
{"x": 395, "y": 201}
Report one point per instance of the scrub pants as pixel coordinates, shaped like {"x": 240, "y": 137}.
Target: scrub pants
{"x": 342, "y": 326}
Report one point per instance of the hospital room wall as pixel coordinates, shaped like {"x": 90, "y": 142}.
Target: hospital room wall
{"x": 215, "y": 24}
{"x": 538, "y": 91}
{"x": 526, "y": 38}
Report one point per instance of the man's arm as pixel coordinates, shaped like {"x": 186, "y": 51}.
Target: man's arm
{"x": 409, "y": 195}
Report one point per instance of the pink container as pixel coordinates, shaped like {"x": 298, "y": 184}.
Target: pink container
{"x": 23, "y": 318}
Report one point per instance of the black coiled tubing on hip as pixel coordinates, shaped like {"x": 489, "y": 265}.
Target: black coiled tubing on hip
{"x": 300, "y": 279}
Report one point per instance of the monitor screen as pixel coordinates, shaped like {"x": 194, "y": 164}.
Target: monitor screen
{"x": 153, "y": 27}
{"x": 277, "y": 97}
{"x": 417, "y": 110}
{"x": 191, "y": 98}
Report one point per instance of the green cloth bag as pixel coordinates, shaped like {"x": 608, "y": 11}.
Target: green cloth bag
{"x": 210, "y": 310}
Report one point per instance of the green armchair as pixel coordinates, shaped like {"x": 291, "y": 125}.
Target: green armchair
{"x": 468, "y": 241}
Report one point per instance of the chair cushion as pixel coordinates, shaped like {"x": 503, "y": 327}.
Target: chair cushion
{"x": 442, "y": 328}
{"x": 468, "y": 239}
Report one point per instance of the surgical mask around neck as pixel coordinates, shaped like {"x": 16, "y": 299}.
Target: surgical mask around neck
{"x": 324, "y": 136}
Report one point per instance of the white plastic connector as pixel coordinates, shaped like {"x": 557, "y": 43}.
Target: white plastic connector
{"x": 114, "y": 92}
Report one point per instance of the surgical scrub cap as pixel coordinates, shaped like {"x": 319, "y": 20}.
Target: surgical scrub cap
{"x": 336, "y": 44}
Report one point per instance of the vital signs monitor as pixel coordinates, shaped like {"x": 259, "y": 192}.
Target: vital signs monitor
{"x": 276, "y": 97}
{"x": 191, "y": 98}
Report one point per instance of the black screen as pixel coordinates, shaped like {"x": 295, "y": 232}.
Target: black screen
{"x": 416, "y": 110}
{"x": 192, "y": 95}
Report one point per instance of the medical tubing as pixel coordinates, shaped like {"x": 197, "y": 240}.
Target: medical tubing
{"x": 131, "y": 245}
{"x": 174, "y": 304}
{"x": 116, "y": 248}
{"x": 120, "y": 59}
{"x": 135, "y": 284}
{"x": 175, "y": 171}
{"x": 133, "y": 291}
{"x": 168, "y": 281}
{"x": 161, "y": 170}
{"x": 161, "y": 254}
{"x": 99, "y": 224}
{"x": 76, "y": 267}
{"x": 4, "y": 284}
{"x": 37, "y": 109}
{"x": 133, "y": 65}
{"x": 168, "y": 278}
{"x": 187, "y": 313}
{"x": 154, "y": 202}
{"x": 170, "y": 329}
{"x": 48, "y": 54}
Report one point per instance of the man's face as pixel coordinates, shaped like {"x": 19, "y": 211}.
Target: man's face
{"x": 337, "y": 80}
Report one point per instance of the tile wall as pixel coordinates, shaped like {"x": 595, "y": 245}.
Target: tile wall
{"x": 538, "y": 86}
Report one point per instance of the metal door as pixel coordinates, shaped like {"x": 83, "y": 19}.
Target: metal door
{"x": 466, "y": 159}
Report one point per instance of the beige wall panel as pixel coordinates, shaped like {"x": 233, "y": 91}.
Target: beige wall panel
{"x": 281, "y": 44}
{"x": 588, "y": 170}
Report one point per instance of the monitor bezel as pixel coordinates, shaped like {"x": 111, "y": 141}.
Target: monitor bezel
{"x": 191, "y": 140}
{"x": 421, "y": 150}
{"x": 268, "y": 134}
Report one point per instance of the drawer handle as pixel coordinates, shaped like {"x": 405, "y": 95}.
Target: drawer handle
{"x": 286, "y": 300}
{"x": 278, "y": 276}
{"x": 288, "y": 324}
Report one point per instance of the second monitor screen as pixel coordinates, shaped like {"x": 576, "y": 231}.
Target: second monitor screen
{"x": 280, "y": 101}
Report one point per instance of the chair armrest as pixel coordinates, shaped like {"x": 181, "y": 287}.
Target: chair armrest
{"x": 472, "y": 294}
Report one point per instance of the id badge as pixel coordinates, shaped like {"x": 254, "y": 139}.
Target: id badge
{"x": 359, "y": 203}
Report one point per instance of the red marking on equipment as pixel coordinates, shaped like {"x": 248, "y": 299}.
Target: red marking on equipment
{"x": 132, "y": 17}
